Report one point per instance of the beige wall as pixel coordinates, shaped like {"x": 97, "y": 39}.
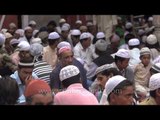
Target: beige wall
{"x": 42, "y": 20}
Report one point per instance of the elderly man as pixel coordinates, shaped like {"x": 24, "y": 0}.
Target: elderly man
{"x": 74, "y": 94}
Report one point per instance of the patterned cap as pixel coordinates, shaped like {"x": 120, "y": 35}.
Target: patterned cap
{"x": 154, "y": 82}
{"x": 68, "y": 72}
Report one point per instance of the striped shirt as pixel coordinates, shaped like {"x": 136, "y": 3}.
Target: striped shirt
{"x": 43, "y": 70}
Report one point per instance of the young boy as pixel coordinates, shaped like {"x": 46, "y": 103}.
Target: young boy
{"x": 142, "y": 70}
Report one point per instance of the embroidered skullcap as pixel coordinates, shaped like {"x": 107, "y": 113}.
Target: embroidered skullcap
{"x": 123, "y": 53}
{"x": 63, "y": 49}
{"x": 104, "y": 67}
{"x": 154, "y": 82}
{"x": 68, "y": 72}
{"x": 144, "y": 51}
{"x": 37, "y": 87}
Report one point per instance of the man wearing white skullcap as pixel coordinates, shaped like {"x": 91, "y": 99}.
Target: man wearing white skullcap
{"x": 129, "y": 28}
{"x": 50, "y": 51}
{"x": 134, "y": 44}
{"x": 154, "y": 86}
{"x": 28, "y": 34}
{"x": 153, "y": 45}
{"x": 119, "y": 91}
{"x": 83, "y": 49}
{"x": 61, "y": 22}
{"x": 74, "y": 37}
{"x": 78, "y": 24}
{"x": 142, "y": 70}
{"x": 64, "y": 33}
{"x": 32, "y": 24}
{"x": 19, "y": 33}
{"x": 36, "y": 40}
{"x": 121, "y": 59}
{"x": 12, "y": 28}
{"x": 74, "y": 94}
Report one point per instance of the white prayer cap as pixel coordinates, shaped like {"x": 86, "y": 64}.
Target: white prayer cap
{"x": 36, "y": 49}
{"x": 151, "y": 39}
{"x": 68, "y": 72}
{"x": 123, "y": 53}
{"x": 89, "y": 24}
{"x": 20, "y": 32}
{"x": 2, "y": 39}
{"x": 14, "y": 41}
{"x": 78, "y": 22}
{"x": 150, "y": 19}
{"x": 156, "y": 67}
{"x": 141, "y": 32}
{"x": 103, "y": 68}
{"x": 8, "y": 35}
{"x": 100, "y": 35}
{"x": 119, "y": 18}
{"x": 24, "y": 46}
{"x": 133, "y": 42}
{"x": 128, "y": 25}
{"x": 36, "y": 40}
{"x": 64, "y": 28}
{"x": 154, "y": 82}
{"x": 112, "y": 83}
{"x": 63, "y": 44}
{"x": 145, "y": 51}
{"x": 27, "y": 28}
{"x": 85, "y": 35}
{"x": 115, "y": 38}
{"x": 75, "y": 32}
{"x": 101, "y": 45}
{"x": 53, "y": 35}
{"x": 62, "y": 20}
{"x": 32, "y": 22}
{"x": 68, "y": 25}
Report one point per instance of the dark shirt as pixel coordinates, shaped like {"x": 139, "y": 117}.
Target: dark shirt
{"x": 54, "y": 76}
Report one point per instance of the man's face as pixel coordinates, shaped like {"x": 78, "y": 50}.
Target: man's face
{"x": 124, "y": 96}
{"x": 67, "y": 58}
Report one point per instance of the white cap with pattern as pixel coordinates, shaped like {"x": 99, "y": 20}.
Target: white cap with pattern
{"x": 68, "y": 72}
{"x": 53, "y": 35}
{"x": 154, "y": 82}
{"x": 123, "y": 53}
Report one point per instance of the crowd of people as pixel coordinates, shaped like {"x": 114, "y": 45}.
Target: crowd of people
{"x": 80, "y": 65}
